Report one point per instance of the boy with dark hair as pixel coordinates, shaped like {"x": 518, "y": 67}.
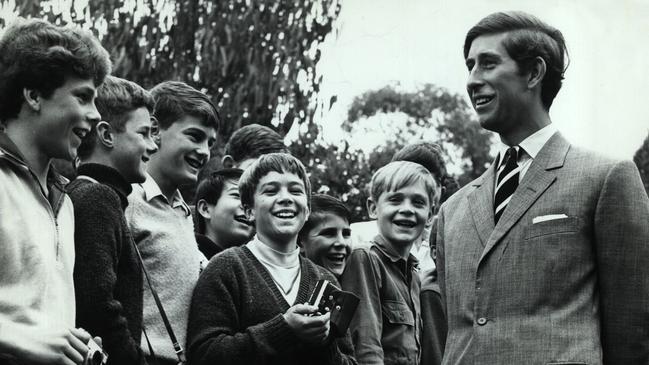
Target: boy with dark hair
{"x": 221, "y": 221}
{"x": 248, "y": 143}
{"x": 48, "y": 77}
{"x": 158, "y": 217}
{"x": 325, "y": 236}
{"x": 248, "y": 304}
{"x": 107, "y": 274}
{"x": 387, "y": 326}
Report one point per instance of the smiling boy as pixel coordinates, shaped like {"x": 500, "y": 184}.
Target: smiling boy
{"x": 158, "y": 217}
{"x": 326, "y": 236}
{"x": 48, "y": 77}
{"x": 387, "y": 326}
{"x": 222, "y": 223}
{"x": 107, "y": 274}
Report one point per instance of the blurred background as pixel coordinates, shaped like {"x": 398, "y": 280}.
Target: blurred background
{"x": 349, "y": 82}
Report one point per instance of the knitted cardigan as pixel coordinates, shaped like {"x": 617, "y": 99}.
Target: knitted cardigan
{"x": 107, "y": 274}
{"x": 236, "y": 316}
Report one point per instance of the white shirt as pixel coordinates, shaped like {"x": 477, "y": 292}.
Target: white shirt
{"x": 531, "y": 147}
{"x": 284, "y": 267}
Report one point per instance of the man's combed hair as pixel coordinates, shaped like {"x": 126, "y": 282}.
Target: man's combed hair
{"x": 321, "y": 206}
{"x": 399, "y": 174}
{"x": 37, "y": 55}
{"x": 252, "y": 141}
{"x": 175, "y": 99}
{"x": 116, "y": 98}
{"x": 211, "y": 188}
{"x": 528, "y": 38}
{"x": 282, "y": 163}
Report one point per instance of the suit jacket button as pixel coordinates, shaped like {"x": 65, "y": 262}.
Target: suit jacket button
{"x": 482, "y": 321}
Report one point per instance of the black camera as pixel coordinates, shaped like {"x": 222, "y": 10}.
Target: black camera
{"x": 95, "y": 356}
{"x": 341, "y": 304}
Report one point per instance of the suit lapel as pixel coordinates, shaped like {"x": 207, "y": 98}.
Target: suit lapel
{"x": 481, "y": 204}
{"x": 535, "y": 182}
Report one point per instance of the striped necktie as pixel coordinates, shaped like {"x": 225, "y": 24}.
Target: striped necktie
{"x": 507, "y": 181}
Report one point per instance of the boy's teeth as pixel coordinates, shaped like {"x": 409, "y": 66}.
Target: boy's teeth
{"x": 286, "y": 215}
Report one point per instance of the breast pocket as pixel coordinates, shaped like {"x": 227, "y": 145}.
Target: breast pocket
{"x": 554, "y": 226}
{"x": 398, "y": 313}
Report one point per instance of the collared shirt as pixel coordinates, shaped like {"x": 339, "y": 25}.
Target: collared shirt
{"x": 387, "y": 326}
{"x": 152, "y": 190}
{"x": 531, "y": 147}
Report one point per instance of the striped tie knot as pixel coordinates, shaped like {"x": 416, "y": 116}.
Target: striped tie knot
{"x": 506, "y": 182}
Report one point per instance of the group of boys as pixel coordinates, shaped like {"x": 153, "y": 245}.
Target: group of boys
{"x": 115, "y": 251}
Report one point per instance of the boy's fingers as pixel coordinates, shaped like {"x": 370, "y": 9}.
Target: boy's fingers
{"x": 81, "y": 334}
{"x": 304, "y": 308}
{"x": 75, "y": 343}
{"x": 73, "y": 354}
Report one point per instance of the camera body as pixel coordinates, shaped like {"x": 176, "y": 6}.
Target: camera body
{"x": 341, "y": 304}
{"x": 95, "y": 356}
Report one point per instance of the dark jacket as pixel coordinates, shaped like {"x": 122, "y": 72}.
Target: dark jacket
{"x": 107, "y": 274}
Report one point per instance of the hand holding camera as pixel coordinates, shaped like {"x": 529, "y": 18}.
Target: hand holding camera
{"x": 340, "y": 304}
{"x": 307, "y": 324}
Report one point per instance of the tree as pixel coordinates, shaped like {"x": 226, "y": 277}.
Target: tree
{"x": 429, "y": 109}
{"x": 641, "y": 159}
{"x": 255, "y": 58}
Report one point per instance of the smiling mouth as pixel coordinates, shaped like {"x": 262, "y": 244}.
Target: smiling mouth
{"x": 285, "y": 214}
{"x": 337, "y": 258}
{"x": 482, "y": 101}
{"x": 404, "y": 223}
{"x": 194, "y": 162}
{"x": 242, "y": 219}
{"x": 80, "y": 132}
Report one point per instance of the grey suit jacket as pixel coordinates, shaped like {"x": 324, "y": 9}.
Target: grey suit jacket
{"x": 566, "y": 291}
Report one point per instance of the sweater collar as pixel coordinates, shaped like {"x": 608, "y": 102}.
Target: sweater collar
{"x": 108, "y": 176}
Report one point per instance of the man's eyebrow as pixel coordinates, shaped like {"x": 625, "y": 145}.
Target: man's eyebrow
{"x": 195, "y": 130}
{"x": 85, "y": 90}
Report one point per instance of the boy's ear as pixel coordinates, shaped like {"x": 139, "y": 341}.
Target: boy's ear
{"x": 203, "y": 209}
{"x": 32, "y": 98}
{"x": 105, "y": 134}
{"x": 371, "y": 208}
{"x": 227, "y": 161}
{"x": 250, "y": 214}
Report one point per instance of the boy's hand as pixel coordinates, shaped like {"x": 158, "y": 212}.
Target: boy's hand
{"x": 40, "y": 345}
{"x": 311, "y": 329}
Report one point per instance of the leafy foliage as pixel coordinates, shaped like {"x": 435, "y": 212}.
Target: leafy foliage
{"x": 641, "y": 159}
{"x": 255, "y": 58}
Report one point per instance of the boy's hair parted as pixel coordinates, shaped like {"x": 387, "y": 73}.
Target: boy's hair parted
{"x": 282, "y": 163}
{"x": 116, "y": 98}
{"x": 210, "y": 190}
{"x": 399, "y": 174}
{"x": 37, "y": 55}
{"x": 175, "y": 99}
{"x": 321, "y": 206}
{"x": 252, "y": 141}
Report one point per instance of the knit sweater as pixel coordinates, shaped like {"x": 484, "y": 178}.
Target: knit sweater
{"x": 237, "y": 311}
{"x": 107, "y": 274}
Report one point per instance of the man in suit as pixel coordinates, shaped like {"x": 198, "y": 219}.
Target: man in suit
{"x": 544, "y": 259}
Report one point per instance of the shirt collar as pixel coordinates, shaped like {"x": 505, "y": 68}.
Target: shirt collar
{"x": 532, "y": 144}
{"x": 386, "y": 249}
{"x": 152, "y": 190}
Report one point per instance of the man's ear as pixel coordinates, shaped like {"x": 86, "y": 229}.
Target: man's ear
{"x": 105, "y": 134}
{"x": 371, "y": 208}
{"x": 203, "y": 209}
{"x": 537, "y": 72}
{"x": 33, "y": 99}
{"x": 227, "y": 161}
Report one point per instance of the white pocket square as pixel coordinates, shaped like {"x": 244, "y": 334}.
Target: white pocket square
{"x": 549, "y": 217}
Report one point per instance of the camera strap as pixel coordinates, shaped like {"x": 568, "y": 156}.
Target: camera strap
{"x": 179, "y": 350}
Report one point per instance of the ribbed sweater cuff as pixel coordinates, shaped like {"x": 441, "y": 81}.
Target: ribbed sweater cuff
{"x": 280, "y": 335}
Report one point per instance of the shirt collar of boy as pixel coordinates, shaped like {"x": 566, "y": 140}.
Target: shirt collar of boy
{"x": 152, "y": 190}
{"x": 109, "y": 176}
{"x": 386, "y": 249}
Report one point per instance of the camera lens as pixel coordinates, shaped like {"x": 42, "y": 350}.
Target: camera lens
{"x": 96, "y": 358}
